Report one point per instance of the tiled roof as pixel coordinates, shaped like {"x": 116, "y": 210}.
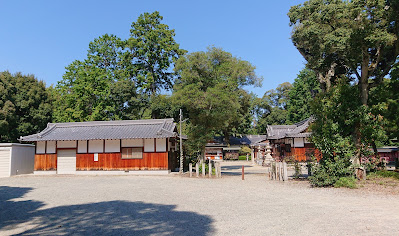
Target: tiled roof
{"x": 123, "y": 129}
{"x": 289, "y": 131}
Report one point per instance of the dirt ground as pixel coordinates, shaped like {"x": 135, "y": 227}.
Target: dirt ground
{"x": 175, "y": 205}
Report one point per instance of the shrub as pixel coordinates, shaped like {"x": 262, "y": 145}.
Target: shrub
{"x": 387, "y": 174}
{"x": 244, "y": 158}
{"x": 346, "y": 182}
{"x": 330, "y": 171}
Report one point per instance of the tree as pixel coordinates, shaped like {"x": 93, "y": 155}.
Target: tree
{"x": 154, "y": 50}
{"x": 303, "y": 91}
{"x": 98, "y": 88}
{"x": 210, "y": 90}
{"x": 356, "y": 39}
{"x": 25, "y": 106}
{"x": 120, "y": 79}
{"x": 271, "y": 109}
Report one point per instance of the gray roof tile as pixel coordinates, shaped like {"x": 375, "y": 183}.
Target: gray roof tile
{"x": 124, "y": 129}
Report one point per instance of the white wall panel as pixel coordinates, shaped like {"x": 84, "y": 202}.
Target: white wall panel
{"x": 51, "y": 147}
{"x": 149, "y": 145}
{"x": 113, "y": 145}
{"x": 298, "y": 142}
{"x": 5, "y": 157}
{"x": 96, "y": 146}
{"x": 82, "y": 146}
{"x": 23, "y": 159}
{"x": 132, "y": 142}
{"x": 66, "y": 144}
{"x": 41, "y": 147}
{"x": 161, "y": 144}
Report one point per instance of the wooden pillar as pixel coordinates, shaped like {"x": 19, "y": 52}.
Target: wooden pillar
{"x": 203, "y": 169}
{"x": 220, "y": 171}
{"x": 197, "y": 169}
{"x": 216, "y": 170}
{"x": 190, "y": 167}
{"x": 210, "y": 169}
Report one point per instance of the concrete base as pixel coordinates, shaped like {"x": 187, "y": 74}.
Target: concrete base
{"x": 44, "y": 172}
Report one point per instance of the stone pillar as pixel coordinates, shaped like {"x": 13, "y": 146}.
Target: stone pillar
{"x": 252, "y": 155}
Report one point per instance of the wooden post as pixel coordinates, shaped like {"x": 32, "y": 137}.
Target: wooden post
{"x": 216, "y": 169}
{"x": 285, "y": 171}
{"x": 203, "y": 169}
{"x": 275, "y": 169}
{"x": 210, "y": 169}
{"x": 197, "y": 169}
{"x": 220, "y": 171}
{"x": 242, "y": 173}
{"x": 279, "y": 171}
{"x": 190, "y": 167}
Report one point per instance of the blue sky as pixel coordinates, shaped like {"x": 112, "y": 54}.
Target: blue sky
{"x": 43, "y": 37}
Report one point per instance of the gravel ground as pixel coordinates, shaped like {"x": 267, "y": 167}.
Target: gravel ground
{"x": 174, "y": 205}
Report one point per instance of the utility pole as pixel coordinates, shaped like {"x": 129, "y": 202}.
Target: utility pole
{"x": 181, "y": 143}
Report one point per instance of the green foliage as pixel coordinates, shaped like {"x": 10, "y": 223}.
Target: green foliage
{"x": 329, "y": 171}
{"x": 210, "y": 90}
{"x": 356, "y": 40}
{"x": 303, "y": 91}
{"x": 154, "y": 52}
{"x": 346, "y": 182}
{"x": 245, "y": 149}
{"x": 271, "y": 108}
{"x": 120, "y": 79}
{"x": 384, "y": 173}
{"x": 25, "y": 106}
{"x": 244, "y": 158}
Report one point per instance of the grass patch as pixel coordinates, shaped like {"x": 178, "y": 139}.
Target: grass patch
{"x": 244, "y": 158}
{"x": 346, "y": 182}
{"x": 387, "y": 174}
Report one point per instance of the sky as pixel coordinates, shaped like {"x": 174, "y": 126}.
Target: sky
{"x": 43, "y": 37}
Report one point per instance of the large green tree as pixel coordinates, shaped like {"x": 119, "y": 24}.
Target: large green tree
{"x": 303, "y": 91}
{"x": 25, "y": 106}
{"x": 154, "y": 50}
{"x": 120, "y": 79}
{"x": 98, "y": 88}
{"x": 354, "y": 39}
{"x": 210, "y": 88}
{"x": 271, "y": 109}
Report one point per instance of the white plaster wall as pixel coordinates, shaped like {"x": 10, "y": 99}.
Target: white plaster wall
{"x": 51, "y": 146}
{"x": 66, "y": 144}
{"x": 161, "y": 144}
{"x": 41, "y": 147}
{"x": 149, "y": 145}
{"x": 298, "y": 142}
{"x": 132, "y": 142}
{"x": 112, "y": 145}
{"x": 96, "y": 146}
{"x": 82, "y": 146}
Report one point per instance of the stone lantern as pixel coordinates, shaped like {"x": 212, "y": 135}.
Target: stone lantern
{"x": 268, "y": 157}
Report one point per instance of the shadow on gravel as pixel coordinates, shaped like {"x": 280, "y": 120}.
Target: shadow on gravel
{"x": 102, "y": 218}
{"x": 238, "y": 167}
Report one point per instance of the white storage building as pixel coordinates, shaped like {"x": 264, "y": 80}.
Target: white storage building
{"x": 16, "y": 158}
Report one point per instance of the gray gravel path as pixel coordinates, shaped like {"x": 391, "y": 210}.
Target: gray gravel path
{"x": 172, "y": 205}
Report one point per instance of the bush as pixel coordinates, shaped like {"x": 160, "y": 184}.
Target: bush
{"x": 346, "y": 182}
{"x": 387, "y": 174}
{"x": 330, "y": 171}
{"x": 244, "y": 158}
